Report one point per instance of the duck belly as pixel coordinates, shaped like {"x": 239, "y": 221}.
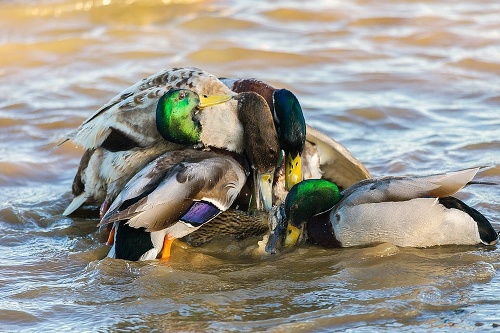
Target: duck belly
{"x": 420, "y": 222}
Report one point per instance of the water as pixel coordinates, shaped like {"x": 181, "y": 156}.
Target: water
{"x": 409, "y": 87}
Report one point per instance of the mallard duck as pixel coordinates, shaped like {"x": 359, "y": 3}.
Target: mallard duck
{"x": 404, "y": 211}
{"x": 128, "y": 120}
{"x": 181, "y": 190}
{"x": 172, "y": 196}
{"x": 121, "y": 137}
{"x": 309, "y": 153}
{"x": 319, "y": 155}
{"x": 288, "y": 119}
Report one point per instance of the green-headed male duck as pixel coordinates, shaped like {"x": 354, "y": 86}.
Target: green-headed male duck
{"x": 404, "y": 211}
{"x": 309, "y": 153}
{"x": 319, "y": 155}
{"x": 180, "y": 191}
{"x": 288, "y": 119}
{"x": 122, "y": 136}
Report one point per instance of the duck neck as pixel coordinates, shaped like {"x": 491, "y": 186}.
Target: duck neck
{"x": 221, "y": 127}
{"x": 260, "y": 142}
{"x": 260, "y": 87}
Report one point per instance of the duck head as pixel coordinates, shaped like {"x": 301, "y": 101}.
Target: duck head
{"x": 261, "y": 144}
{"x": 304, "y": 200}
{"x": 291, "y": 127}
{"x": 175, "y": 114}
{"x": 288, "y": 120}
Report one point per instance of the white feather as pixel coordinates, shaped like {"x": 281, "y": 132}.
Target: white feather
{"x": 157, "y": 238}
{"x": 420, "y": 222}
{"x": 75, "y": 204}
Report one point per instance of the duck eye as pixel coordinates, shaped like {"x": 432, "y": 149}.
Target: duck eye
{"x": 182, "y": 95}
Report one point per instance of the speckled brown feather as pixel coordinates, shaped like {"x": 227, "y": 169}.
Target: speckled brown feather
{"x": 231, "y": 223}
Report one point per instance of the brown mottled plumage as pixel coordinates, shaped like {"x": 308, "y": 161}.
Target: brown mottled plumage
{"x": 231, "y": 223}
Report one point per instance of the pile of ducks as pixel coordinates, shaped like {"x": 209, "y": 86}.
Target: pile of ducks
{"x": 186, "y": 155}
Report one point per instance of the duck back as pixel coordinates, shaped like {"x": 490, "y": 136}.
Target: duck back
{"x": 420, "y": 222}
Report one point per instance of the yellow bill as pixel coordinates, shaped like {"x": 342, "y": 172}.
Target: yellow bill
{"x": 293, "y": 170}
{"x": 265, "y": 184}
{"x": 209, "y": 100}
{"x": 292, "y": 235}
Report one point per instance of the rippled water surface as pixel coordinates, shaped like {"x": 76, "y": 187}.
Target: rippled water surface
{"x": 409, "y": 87}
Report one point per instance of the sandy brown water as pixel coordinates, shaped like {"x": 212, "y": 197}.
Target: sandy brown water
{"x": 409, "y": 87}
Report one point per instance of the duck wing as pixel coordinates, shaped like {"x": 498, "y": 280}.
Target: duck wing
{"x": 337, "y": 164}
{"x": 194, "y": 186}
{"x": 128, "y": 119}
{"x": 406, "y": 188}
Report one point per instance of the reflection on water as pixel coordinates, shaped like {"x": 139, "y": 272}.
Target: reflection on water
{"x": 408, "y": 87}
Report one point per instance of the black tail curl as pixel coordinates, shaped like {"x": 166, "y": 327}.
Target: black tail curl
{"x": 487, "y": 234}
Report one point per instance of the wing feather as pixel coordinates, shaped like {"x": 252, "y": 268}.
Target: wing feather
{"x": 337, "y": 163}
{"x": 132, "y": 111}
{"x": 161, "y": 194}
{"x": 406, "y": 188}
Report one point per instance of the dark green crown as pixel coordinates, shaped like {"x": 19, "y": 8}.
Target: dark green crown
{"x": 308, "y": 198}
{"x": 290, "y": 121}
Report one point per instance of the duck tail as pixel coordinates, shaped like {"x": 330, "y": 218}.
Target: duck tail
{"x": 75, "y": 204}
{"x": 451, "y": 182}
{"x": 487, "y": 234}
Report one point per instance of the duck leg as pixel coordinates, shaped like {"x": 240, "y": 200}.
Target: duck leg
{"x": 111, "y": 237}
{"x": 167, "y": 245}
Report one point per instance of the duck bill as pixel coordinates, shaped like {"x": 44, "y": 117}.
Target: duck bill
{"x": 278, "y": 228}
{"x": 292, "y": 235}
{"x": 282, "y": 234}
{"x": 293, "y": 170}
{"x": 210, "y": 100}
{"x": 265, "y": 190}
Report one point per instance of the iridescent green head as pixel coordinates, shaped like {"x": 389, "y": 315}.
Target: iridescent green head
{"x": 290, "y": 121}
{"x": 308, "y": 198}
{"x": 291, "y": 127}
{"x": 175, "y": 111}
{"x": 305, "y": 200}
